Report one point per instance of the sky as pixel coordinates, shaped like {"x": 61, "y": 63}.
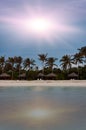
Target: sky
{"x": 32, "y": 27}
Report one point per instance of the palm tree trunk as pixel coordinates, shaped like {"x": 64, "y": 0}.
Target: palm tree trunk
{"x": 12, "y": 74}
{"x": 12, "y": 71}
{"x": 52, "y": 69}
{"x": 19, "y": 70}
{"x": 43, "y": 67}
{"x": 78, "y": 70}
{"x": 2, "y": 69}
{"x": 85, "y": 62}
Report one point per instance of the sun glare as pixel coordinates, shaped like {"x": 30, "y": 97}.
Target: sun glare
{"x": 39, "y": 25}
{"x": 39, "y": 113}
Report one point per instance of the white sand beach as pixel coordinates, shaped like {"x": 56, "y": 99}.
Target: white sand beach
{"x": 43, "y": 83}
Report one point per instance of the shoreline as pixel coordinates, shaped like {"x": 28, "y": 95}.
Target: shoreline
{"x": 43, "y": 83}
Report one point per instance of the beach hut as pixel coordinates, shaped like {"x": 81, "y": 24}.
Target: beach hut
{"x": 22, "y": 76}
{"x": 41, "y": 76}
{"x": 73, "y": 76}
{"x": 5, "y": 76}
{"x": 51, "y": 76}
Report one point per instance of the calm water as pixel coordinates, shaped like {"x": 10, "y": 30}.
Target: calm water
{"x": 49, "y": 108}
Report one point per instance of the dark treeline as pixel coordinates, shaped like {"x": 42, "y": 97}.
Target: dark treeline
{"x": 27, "y": 68}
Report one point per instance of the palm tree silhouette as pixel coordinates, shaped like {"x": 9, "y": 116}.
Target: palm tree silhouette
{"x": 66, "y": 62}
{"x": 51, "y": 62}
{"x": 77, "y": 59}
{"x": 82, "y": 51}
{"x": 43, "y": 58}
{"x": 18, "y": 61}
{"x": 28, "y": 64}
{"x": 2, "y": 63}
{"x": 11, "y": 61}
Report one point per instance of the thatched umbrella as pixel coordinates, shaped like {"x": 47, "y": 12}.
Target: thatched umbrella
{"x": 41, "y": 76}
{"x": 5, "y": 76}
{"x": 51, "y": 76}
{"x": 73, "y": 75}
{"x": 22, "y": 76}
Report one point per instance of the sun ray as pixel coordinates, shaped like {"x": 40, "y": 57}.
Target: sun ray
{"x": 39, "y": 25}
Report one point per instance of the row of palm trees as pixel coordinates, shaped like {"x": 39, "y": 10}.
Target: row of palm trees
{"x": 18, "y": 64}
{"x": 66, "y": 61}
{"x": 77, "y": 59}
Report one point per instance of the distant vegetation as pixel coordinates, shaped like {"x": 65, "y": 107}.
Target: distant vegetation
{"x": 14, "y": 66}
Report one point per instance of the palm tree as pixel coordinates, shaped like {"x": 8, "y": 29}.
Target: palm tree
{"x": 43, "y": 58}
{"x": 11, "y": 61}
{"x": 2, "y": 63}
{"x": 32, "y": 63}
{"x": 82, "y": 51}
{"x": 18, "y": 61}
{"x": 77, "y": 59}
{"x": 28, "y": 63}
{"x": 66, "y": 62}
{"x": 51, "y": 62}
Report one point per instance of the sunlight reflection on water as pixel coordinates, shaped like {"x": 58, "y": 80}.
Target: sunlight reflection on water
{"x": 48, "y": 108}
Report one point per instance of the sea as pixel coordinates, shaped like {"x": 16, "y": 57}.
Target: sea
{"x": 42, "y": 108}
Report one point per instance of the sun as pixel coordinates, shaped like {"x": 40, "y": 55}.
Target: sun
{"x": 39, "y": 25}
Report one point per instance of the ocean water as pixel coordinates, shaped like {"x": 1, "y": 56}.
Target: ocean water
{"x": 42, "y": 108}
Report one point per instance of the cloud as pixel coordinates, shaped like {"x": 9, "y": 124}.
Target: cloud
{"x": 65, "y": 16}
{"x": 66, "y": 7}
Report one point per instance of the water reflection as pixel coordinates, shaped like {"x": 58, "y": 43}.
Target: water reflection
{"x": 23, "y": 109}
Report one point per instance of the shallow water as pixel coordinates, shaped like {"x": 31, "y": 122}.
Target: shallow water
{"x": 47, "y": 108}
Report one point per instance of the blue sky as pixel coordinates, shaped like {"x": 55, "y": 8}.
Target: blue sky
{"x": 63, "y": 32}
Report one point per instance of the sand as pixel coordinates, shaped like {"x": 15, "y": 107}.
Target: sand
{"x": 43, "y": 83}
